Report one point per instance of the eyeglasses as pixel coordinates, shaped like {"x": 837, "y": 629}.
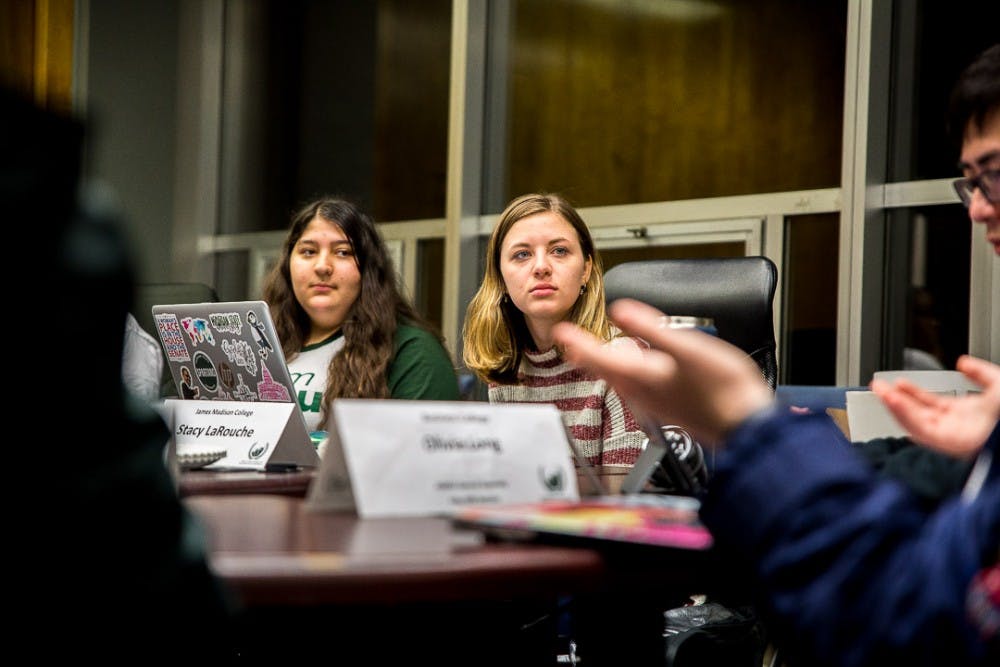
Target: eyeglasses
{"x": 988, "y": 183}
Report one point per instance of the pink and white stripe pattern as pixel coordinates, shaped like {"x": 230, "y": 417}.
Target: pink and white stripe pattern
{"x": 603, "y": 428}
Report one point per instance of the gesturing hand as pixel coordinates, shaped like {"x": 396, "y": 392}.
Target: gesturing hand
{"x": 687, "y": 377}
{"x": 955, "y": 425}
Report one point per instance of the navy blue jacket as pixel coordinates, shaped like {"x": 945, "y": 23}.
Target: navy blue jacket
{"x": 851, "y": 568}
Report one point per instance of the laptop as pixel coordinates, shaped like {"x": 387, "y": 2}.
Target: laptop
{"x": 229, "y": 351}
{"x": 224, "y": 351}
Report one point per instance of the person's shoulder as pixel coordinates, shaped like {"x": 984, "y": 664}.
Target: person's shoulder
{"x": 134, "y": 330}
{"x": 408, "y": 331}
{"x": 136, "y": 336}
{"x": 412, "y": 338}
{"x": 421, "y": 367}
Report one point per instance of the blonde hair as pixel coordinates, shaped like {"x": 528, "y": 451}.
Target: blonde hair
{"x": 495, "y": 334}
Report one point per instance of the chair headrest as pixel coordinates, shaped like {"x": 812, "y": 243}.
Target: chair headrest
{"x": 736, "y": 292}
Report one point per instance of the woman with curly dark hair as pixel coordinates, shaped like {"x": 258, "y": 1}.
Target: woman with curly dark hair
{"x": 345, "y": 327}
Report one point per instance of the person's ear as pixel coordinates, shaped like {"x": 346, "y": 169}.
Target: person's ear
{"x": 587, "y": 268}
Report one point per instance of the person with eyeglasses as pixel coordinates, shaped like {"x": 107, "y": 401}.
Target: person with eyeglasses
{"x": 975, "y": 113}
{"x": 848, "y": 568}
{"x": 987, "y": 183}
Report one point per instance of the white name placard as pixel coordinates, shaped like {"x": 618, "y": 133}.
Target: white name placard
{"x": 254, "y": 435}
{"x": 412, "y": 458}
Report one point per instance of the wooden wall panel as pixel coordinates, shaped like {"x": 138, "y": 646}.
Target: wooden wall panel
{"x": 611, "y": 104}
{"x": 411, "y": 108}
{"x": 36, "y": 50}
{"x": 17, "y": 45}
{"x": 54, "y": 54}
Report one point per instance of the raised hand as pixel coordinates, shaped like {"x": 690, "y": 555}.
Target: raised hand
{"x": 955, "y": 425}
{"x": 687, "y": 377}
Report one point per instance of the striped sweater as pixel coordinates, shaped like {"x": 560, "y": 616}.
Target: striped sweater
{"x": 603, "y": 428}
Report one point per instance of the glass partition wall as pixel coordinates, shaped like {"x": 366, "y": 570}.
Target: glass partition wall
{"x": 808, "y": 132}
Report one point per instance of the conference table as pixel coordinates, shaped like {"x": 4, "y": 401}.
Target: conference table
{"x": 208, "y": 481}
{"x": 413, "y": 587}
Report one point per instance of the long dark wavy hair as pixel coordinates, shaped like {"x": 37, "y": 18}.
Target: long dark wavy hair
{"x": 360, "y": 369}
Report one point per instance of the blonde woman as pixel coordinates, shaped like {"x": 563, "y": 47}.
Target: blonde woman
{"x": 542, "y": 269}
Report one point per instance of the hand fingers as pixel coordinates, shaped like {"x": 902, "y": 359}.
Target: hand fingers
{"x": 982, "y": 372}
{"x": 641, "y": 377}
{"x": 692, "y": 351}
{"x": 687, "y": 346}
{"x": 619, "y": 364}
{"x": 905, "y": 389}
{"x": 579, "y": 347}
{"x": 702, "y": 381}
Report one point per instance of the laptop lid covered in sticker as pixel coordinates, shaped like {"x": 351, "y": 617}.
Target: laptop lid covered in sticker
{"x": 224, "y": 351}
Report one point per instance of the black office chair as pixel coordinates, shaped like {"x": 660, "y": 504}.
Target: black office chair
{"x": 736, "y": 292}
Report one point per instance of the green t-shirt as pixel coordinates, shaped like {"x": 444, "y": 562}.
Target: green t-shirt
{"x": 420, "y": 370}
